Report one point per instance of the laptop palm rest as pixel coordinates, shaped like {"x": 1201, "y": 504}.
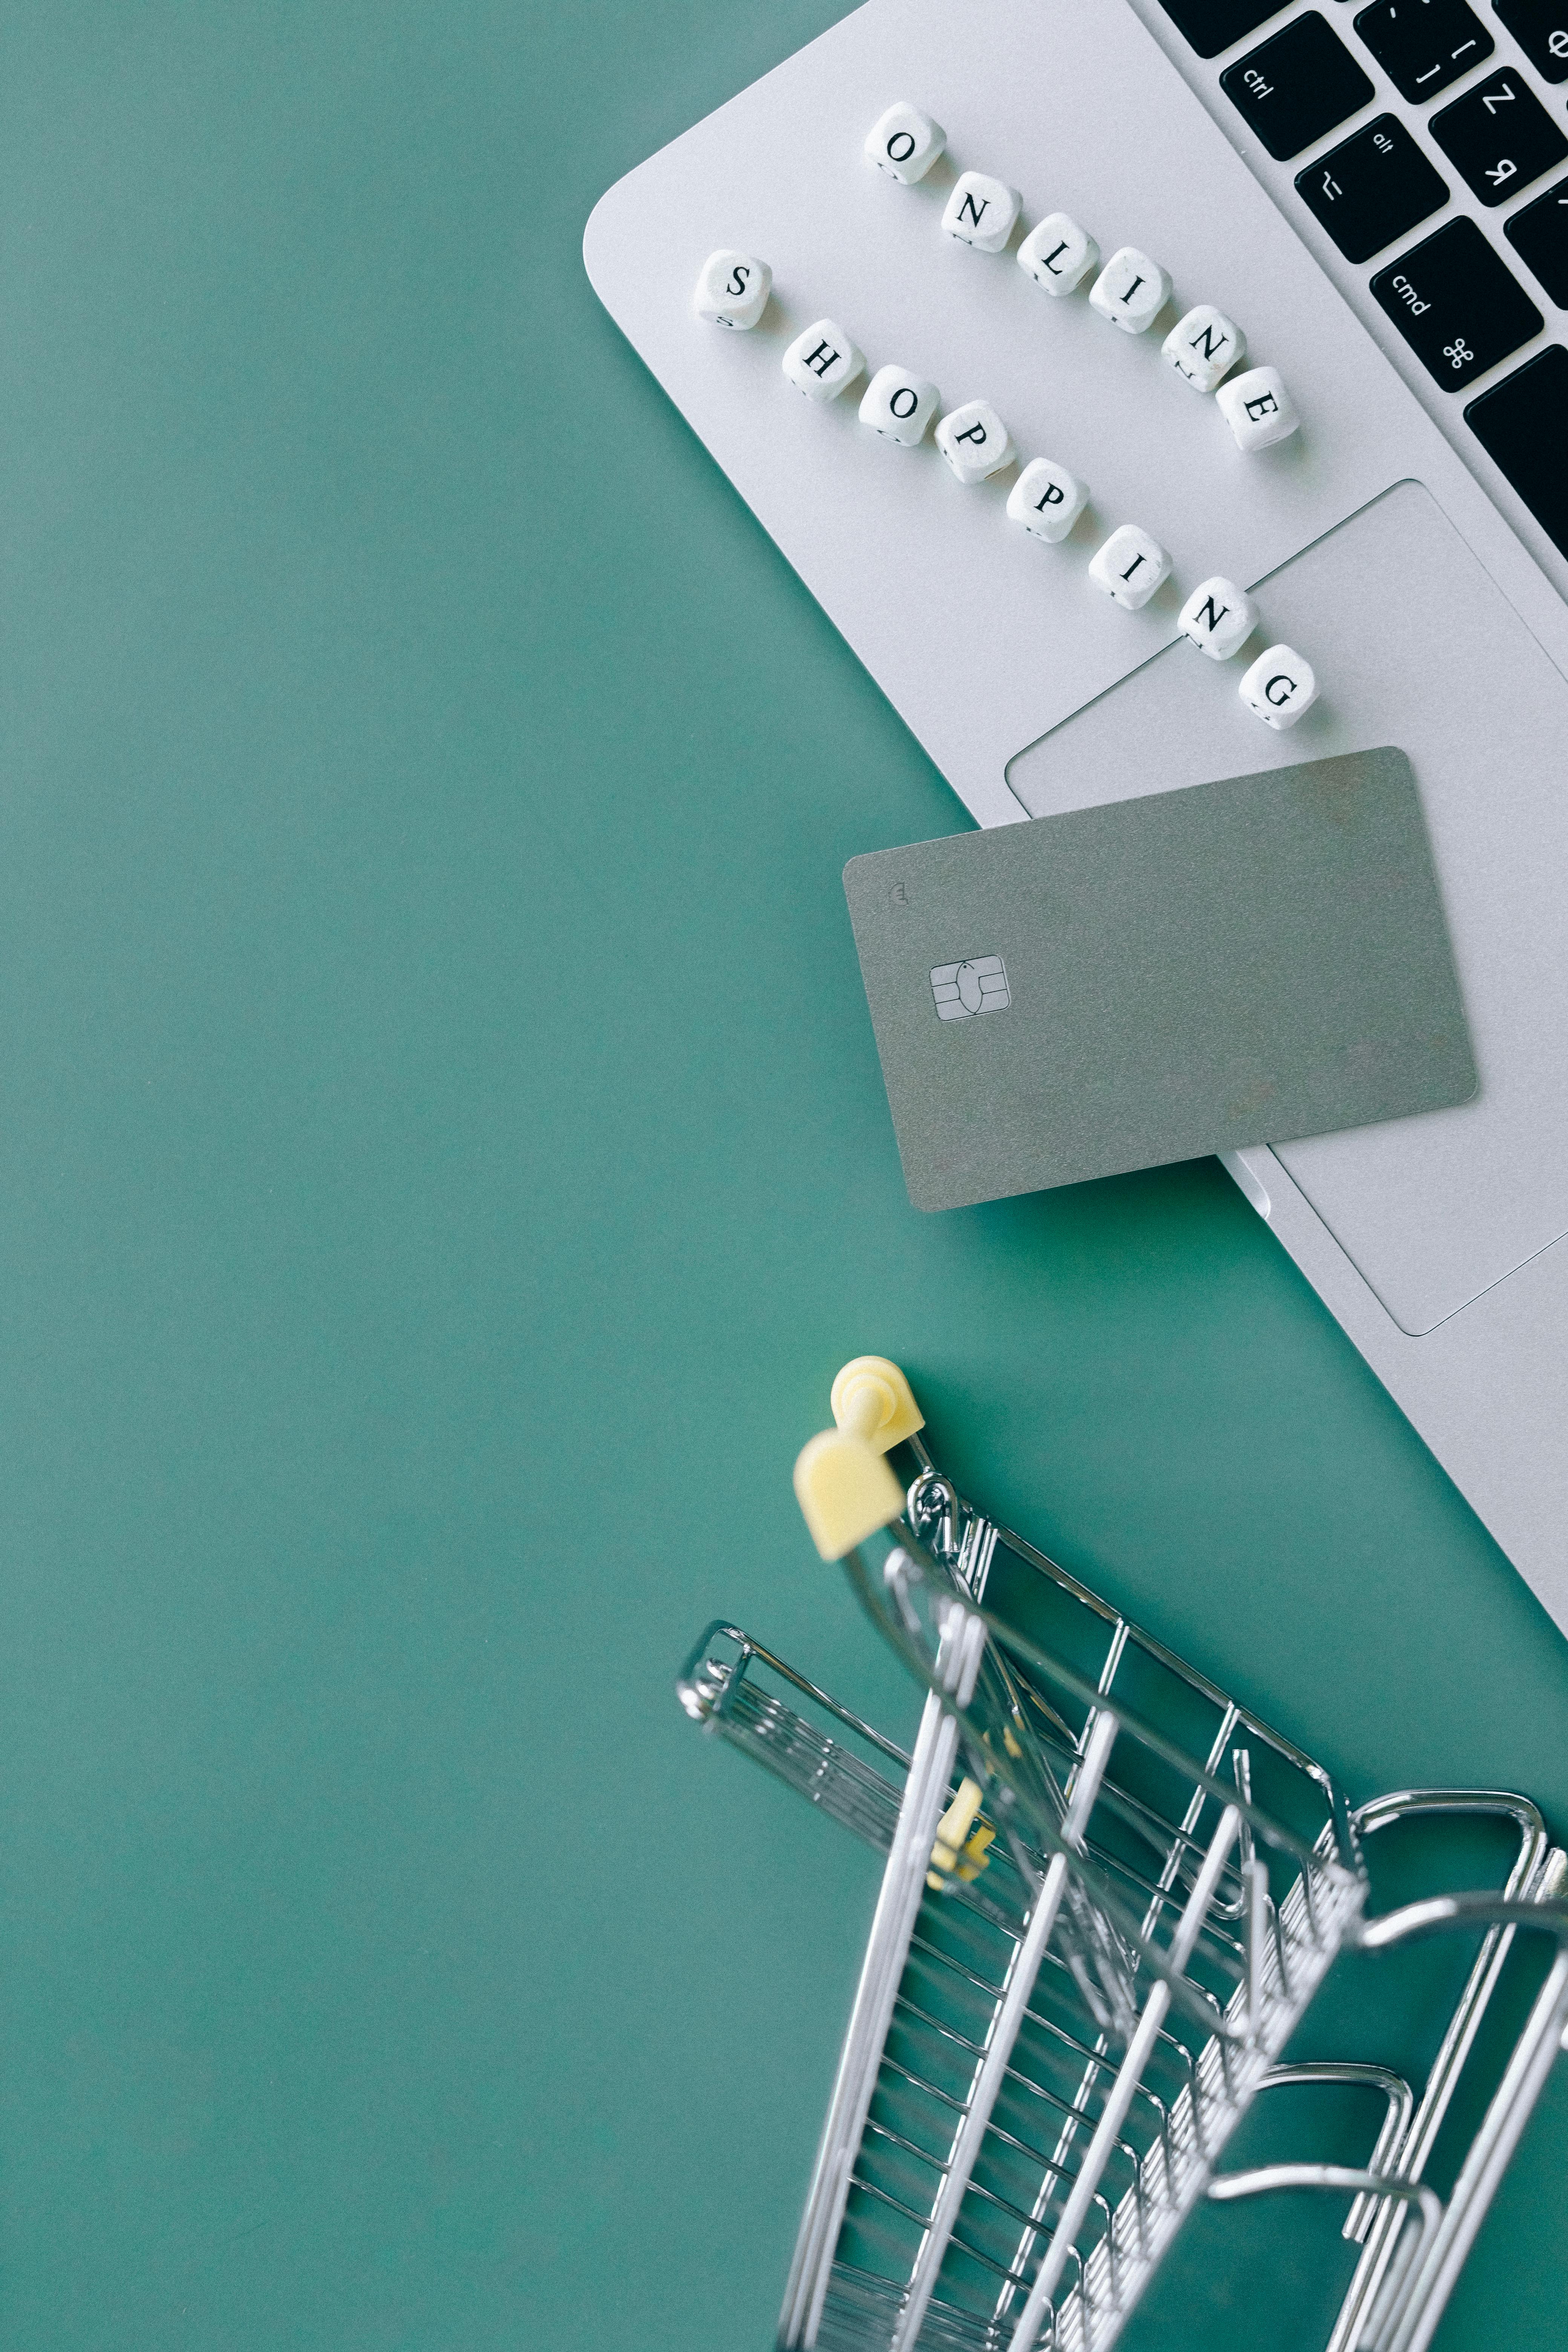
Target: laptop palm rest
{"x": 1414, "y": 646}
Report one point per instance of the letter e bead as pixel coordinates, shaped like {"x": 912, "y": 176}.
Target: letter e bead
{"x": 1258, "y": 408}
{"x": 1202, "y": 346}
{"x": 1131, "y": 290}
{"x": 733, "y": 288}
{"x": 905, "y": 143}
{"x": 1280, "y": 688}
{"x": 1130, "y": 567}
{"x": 900, "y": 405}
{"x": 822, "y": 361}
{"x": 1047, "y": 500}
{"x": 975, "y": 441}
{"x": 981, "y": 212}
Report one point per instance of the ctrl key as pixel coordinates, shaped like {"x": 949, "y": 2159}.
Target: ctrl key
{"x": 1456, "y": 304}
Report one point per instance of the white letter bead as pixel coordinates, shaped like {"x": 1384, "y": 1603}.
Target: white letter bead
{"x": 1203, "y": 345}
{"x": 1258, "y": 408}
{"x": 1131, "y": 290}
{"x": 822, "y": 361}
{"x": 1130, "y": 566}
{"x": 905, "y": 143}
{"x": 1047, "y": 500}
{"x": 900, "y": 405}
{"x": 1279, "y": 687}
{"x": 734, "y": 288}
{"x": 975, "y": 441}
{"x": 1218, "y": 617}
{"x": 981, "y": 212}
{"x": 1057, "y": 253}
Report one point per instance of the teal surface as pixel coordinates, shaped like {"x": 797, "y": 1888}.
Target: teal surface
{"x": 442, "y": 1160}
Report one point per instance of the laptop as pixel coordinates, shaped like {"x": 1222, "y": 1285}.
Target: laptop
{"x": 1377, "y": 198}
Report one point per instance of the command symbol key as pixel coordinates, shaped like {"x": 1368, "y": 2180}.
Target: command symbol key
{"x": 1456, "y": 305}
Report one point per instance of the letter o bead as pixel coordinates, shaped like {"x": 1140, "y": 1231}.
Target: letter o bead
{"x": 900, "y": 405}
{"x": 732, "y": 288}
{"x": 1279, "y": 688}
{"x": 1258, "y": 408}
{"x": 1047, "y": 500}
{"x": 1130, "y": 567}
{"x": 1217, "y": 617}
{"x": 1131, "y": 290}
{"x": 904, "y": 143}
{"x": 975, "y": 441}
{"x": 822, "y": 361}
{"x": 981, "y": 212}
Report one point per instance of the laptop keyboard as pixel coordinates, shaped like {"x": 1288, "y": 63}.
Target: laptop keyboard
{"x": 1465, "y": 304}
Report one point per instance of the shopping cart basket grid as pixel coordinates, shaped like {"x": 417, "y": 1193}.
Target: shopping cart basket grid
{"x": 1110, "y": 1893}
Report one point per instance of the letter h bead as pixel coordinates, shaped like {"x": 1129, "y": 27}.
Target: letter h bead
{"x": 822, "y": 361}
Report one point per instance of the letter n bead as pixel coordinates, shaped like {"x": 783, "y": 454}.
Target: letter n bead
{"x": 1279, "y": 688}
{"x": 1204, "y": 346}
{"x": 981, "y": 212}
{"x": 1130, "y": 567}
{"x": 733, "y": 288}
{"x": 904, "y": 143}
{"x": 822, "y": 361}
{"x": 975, "y": 441}
{"x": 1218, "y": 617}
{"x": 900, "y": 405}
{"x": 1258, "y": 408}
{"x": 1047, "y": 500}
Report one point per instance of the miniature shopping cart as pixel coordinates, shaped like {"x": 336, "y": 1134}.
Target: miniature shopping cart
{"x": 1110, "y": 1894}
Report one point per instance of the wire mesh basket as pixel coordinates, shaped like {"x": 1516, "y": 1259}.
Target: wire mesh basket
{"x": 1109, "y": 1895}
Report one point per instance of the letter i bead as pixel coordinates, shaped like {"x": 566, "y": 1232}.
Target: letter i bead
{"x": 1130, "y": 567}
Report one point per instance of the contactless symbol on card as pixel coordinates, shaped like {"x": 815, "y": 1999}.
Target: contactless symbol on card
{"x": 977, "y": 985}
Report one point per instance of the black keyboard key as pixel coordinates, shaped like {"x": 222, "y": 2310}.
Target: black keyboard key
{"x": 1373, "y": 188}
{"x": 1297, "y": 86}
{"x": 1455, "y": 304}
{"x": 1540, "y": 28}
{"x": 1211, "y": 25}
{"x": 1539, "y": 235}
{"x": 1523, "y": 426}
{"x": 1501, "y": 136}
{"x": 1424, "y": 45}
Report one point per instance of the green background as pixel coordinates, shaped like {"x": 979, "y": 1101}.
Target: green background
{"x": 442, "y": 1163}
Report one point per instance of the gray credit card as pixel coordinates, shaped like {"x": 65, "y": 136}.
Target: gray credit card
{"x": 1233, "y": 964}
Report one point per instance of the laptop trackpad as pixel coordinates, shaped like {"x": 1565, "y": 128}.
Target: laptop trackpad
{"x": 1414, "y": 646}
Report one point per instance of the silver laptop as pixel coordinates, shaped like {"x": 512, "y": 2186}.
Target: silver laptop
{"x": 1378, "y": 198}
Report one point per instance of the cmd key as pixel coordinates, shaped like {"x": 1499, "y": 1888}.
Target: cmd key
{"x": 1297, "y": 86}
{"x": 1456, "y": 305}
